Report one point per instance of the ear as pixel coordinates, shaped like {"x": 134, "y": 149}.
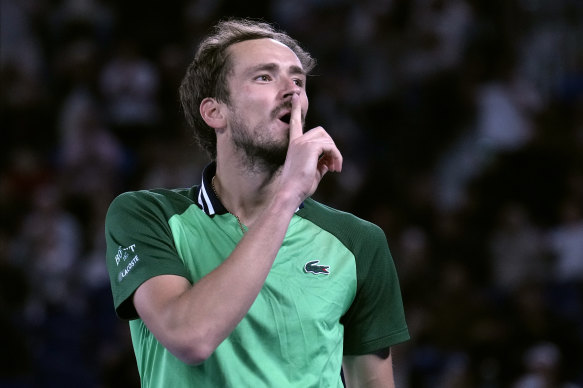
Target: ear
{"x": 212, "y": 113}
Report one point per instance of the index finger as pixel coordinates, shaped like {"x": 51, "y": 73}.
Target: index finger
{"x": 295, "y": 122}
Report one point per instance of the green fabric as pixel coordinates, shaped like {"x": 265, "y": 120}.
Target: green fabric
{"x": 376, "y": 318}
{"x": 294, "y": 333}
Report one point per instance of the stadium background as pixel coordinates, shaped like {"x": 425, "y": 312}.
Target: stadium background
{"x": 461, "y": 123}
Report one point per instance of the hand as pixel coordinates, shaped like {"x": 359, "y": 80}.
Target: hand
{"x": 309, "y": 157}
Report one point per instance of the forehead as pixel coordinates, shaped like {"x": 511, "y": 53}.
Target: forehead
{"x": 250, "y": 53}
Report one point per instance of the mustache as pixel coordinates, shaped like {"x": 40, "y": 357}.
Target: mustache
{"x": 287, "y": 105}
{"x": 276, "y": 112}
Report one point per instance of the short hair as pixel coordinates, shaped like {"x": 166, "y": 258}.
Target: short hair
{"x": 206, "y": 76}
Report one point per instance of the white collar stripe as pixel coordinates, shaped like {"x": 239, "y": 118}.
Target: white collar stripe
{"x": 211, "y": 209}
{"x": 201, "y": 201}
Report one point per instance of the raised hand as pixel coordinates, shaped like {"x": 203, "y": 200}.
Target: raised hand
{"x": 310, "y": 156}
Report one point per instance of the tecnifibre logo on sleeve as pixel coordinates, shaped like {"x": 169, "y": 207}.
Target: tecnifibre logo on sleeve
{"x": 128, "y": 258}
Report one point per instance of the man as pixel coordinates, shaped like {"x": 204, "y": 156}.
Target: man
{"x": 244, "y": 280}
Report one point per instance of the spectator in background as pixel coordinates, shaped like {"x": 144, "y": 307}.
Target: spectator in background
{"x": 542, "y": 363}
{"x": 566, "y": 243}
{"x": 48, "y": 246}
{"x": 92, "y": 159}
{"x": 517, "y": 251}
{"x": 129, "y": 83}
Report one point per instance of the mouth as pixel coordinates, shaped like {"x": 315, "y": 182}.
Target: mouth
{"x": 285, "y": 118}
{"x": 282, "y": 113}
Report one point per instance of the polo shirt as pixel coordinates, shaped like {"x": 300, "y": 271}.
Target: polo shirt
{"x": 332, "y": 290}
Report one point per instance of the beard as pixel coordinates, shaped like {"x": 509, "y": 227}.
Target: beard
{"x": 260, "y": 149}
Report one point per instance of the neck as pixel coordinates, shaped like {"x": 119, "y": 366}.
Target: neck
{"x": 243, "y": 190}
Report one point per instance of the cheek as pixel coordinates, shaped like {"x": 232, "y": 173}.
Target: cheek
{"x": 253, "y": 98}
{"x": 305, "y": 103}
{"x": 246, "y": 105}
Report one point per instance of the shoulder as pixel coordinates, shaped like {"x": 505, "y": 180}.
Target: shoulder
{"x": 347, "y": 227}
{"x": 331, "y": 218}
{"x": 166, "y": 202}
{"x": 157, "y": 195}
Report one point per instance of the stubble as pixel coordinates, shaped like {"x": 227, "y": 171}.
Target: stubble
{"x": 259, "y": 149}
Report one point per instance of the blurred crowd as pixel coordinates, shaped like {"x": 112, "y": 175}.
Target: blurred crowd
{"x": 461, "y": 124}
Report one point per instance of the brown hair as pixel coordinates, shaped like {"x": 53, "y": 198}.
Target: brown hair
{"x": 206, "y": 75}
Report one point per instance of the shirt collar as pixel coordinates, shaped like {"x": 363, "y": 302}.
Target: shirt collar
{"x": 207, "y": 199}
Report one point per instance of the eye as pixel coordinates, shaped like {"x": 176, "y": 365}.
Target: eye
{"x": 263, "y": 78}
{"x": 299, "y": 82}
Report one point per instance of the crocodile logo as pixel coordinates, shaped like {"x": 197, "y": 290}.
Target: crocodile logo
{"x": 313, "y": 267}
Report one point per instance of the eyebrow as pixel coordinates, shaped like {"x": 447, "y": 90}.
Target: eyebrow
{"x": 271, "y": 67}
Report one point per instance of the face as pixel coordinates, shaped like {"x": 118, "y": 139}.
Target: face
{"x": 264, "y": 76}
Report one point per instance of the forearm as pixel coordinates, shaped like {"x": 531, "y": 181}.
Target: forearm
{"x": 368, "y": 371}
{"x": 194, "y": 322}
{"x": 223, "y": 297}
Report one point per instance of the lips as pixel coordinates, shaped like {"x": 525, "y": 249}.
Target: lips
{"x": 282, "y": 113}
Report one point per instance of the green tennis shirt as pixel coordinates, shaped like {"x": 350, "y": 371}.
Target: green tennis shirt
{"x": 332, "y": 289}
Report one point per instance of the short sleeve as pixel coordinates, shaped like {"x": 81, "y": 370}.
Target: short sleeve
{"x": 139, "y": 246}
{"x": 376, "y": 318}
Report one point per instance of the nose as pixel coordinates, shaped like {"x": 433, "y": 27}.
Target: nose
{"x": 289, "y": 87}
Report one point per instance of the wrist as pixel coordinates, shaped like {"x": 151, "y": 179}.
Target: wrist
{"x": 283, "y": 203}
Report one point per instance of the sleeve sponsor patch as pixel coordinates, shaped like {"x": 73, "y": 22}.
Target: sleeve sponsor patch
{"x": 127, "y": 258}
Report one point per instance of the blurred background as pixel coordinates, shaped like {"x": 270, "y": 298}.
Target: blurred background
{"x": 461, "y": 124}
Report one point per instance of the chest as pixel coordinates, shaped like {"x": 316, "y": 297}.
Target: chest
{"x": 313, "y": 277}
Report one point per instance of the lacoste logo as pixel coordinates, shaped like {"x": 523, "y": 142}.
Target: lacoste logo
{"x": 313, "y": 267}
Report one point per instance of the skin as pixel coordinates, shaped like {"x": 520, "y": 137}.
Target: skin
{"x": 266, "y": 75}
